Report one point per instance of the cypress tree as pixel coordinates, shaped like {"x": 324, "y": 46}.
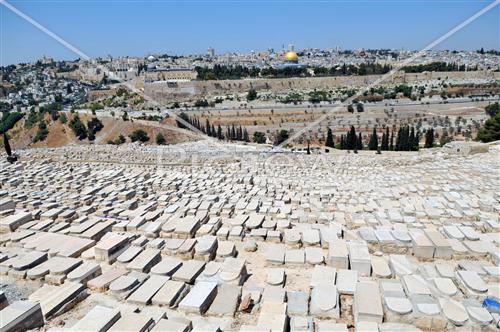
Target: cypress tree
{"x": 240, "y": 134}
{"x": 208, "y": 128}
{"x": 398, "y": 140}
{"x": 246, "y": 138}
{"x": 385, "y": 140}
{"x": 417, "y": 141}
{"x": 219, "y": 132}
{"x": 329, "y": 139}
{"x": 412, "y": 140}
{"x": 429, "y": 138}
{"x": 373, "y": 143}
{"x": 406, "y": 140}
{"x": 352, "y": 139}
{"x": 391, "y": 145}
{"x": 233, "y": 133}
{"x": 359, "y": 142}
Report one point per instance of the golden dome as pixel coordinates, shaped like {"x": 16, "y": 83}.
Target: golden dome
{"x": 291, "y": 56}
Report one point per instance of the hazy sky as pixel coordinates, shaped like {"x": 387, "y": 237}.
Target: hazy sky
{"x": 134, "y": 27}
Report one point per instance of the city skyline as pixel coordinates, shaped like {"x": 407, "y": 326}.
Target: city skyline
{"x": 133, "y": 29}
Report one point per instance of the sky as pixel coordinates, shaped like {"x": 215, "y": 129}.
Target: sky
{"x": 141, "y": 27}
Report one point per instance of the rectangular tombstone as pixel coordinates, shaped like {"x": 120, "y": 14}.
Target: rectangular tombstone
{"x": 145, "y": 260}
{"x": 21, "y": 316}
{"x": 226, "y": 301}
{"x": 338, "y": 254}
{"x": 101, "y": 283}
{"x": 132, "y": 321}
{"x": 298, "y": 303}
{"x": 199, "y": 298}
{"x": 359, "y": 258}
{"x": 54, "y": 299}
{"x": 98, "y": 230}
{"x": 443, "y": 247}
{"x": 170, "y": 294}
{"x": 99, "y": 319}
{"x": 422, "y": 246}
{"x": 12, "y": 222}
{"x": 275, "y": 255}
{"x": 189, "y": 271}
{"x": 170, "y": 325}
{"x": 147, "y": 290}
{"x": 323, "y": 275}
{"x": 272, "y": 317}
{"x": 347, "y": 281}
{"x": 416, "y": 285}
{"x": 110, "y": 246}
{"x": 368, "y": 303}
{"x": 325, "y": 302}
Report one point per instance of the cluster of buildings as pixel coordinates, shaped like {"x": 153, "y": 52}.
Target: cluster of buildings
{"x": 42, "y": 83}
{"x": 25, "y": 85}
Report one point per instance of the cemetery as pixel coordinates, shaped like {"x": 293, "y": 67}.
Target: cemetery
{"x": 144, "y": 238}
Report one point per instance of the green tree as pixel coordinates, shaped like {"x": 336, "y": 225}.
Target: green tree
{"x": 385, "y": 140}
{"x": 492, "y": 109}
{"x": 78, "y": 128}
{"x": 491, "y": 130}
{"x": 350, "y": 108}
{"x": 351, "y": 139}
{"x": 119, "y": 140}
{"x": 360, "y": 107}
{"x": 62, "y": 118}
{"x": 429, "y": 138}
{"x": 373, "y": 143}
{"x": 329, "y": 139}
{"x": 94, "y": 125}
{"x": 208, "y": 128}
{"x": 42, "y": 132}
{"x": 219, "y": 132}
{"x": 251, "y": 95}
{"x": 160, "y": 140}
{"x": 246, "y": 138}
{"x": 201, "y": 103}
{"x": 139, "y": 135}
{"x": 259, "y": 137}
{"x": 359, "y": 143}
{"x": 281, "y": 136}
{"x": 444, "y": 139}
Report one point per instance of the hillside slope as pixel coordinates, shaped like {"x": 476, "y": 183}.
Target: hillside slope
{"x": 61, "y": 134}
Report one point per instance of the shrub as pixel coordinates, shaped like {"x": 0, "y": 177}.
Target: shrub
{"x": 251, "y": 95}
{"x": 492, "y": 109}
{"x": 491, "y": 130}
{"x": 139, "y": 135}
{"x": 259, "y": 137}
{"x": 78, "y": 128}
{"x": 42, "y": 132}
{"x": 62, "y": 118}
{"x": 281, "y": 136}
{"x": 160, "y": 140}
